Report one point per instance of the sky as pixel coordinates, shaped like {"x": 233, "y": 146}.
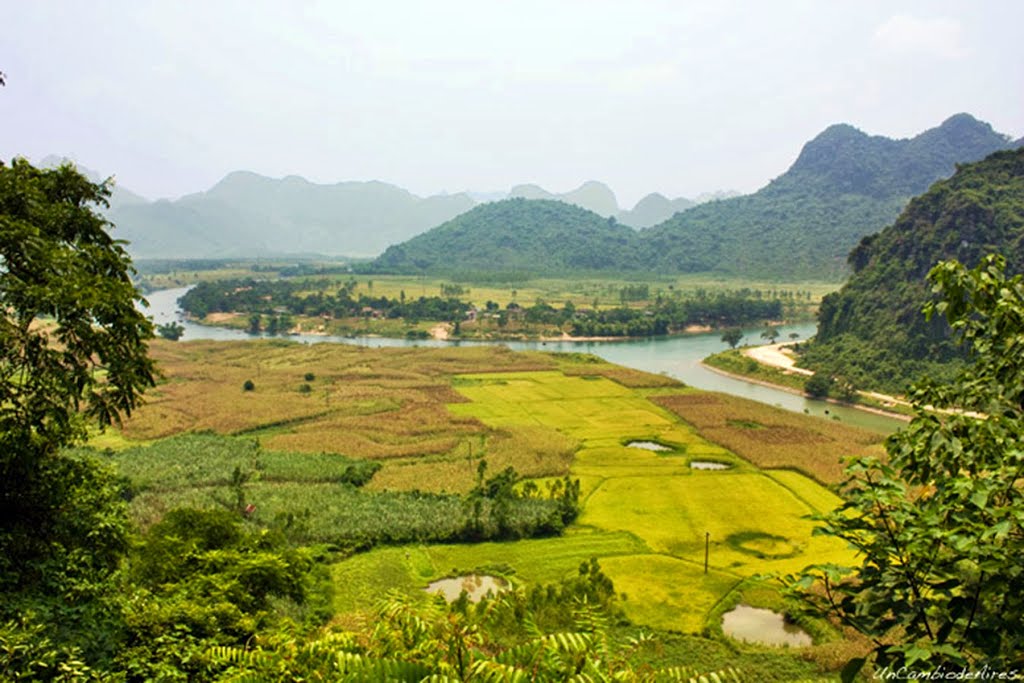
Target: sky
{"x": 678, "y": 97}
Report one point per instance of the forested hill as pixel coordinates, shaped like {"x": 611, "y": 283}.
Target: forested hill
{"x": 844, "y": 185}
{"x": 528, "y": 235}
{"x": 872, "y": 331}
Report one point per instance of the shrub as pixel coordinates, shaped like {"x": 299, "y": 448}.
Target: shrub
{"x": 248, "y": 386}
{"x": 818, "y": 385}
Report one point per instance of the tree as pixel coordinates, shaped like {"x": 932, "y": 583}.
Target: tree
{"x": 72, "y": 350}
{"x": 732, "y": 336}
{"x": 940, "y": 527}
{"x": 770, "y": 334}
{"x": 171, "y": 331}
{"x": 818, "y": 385}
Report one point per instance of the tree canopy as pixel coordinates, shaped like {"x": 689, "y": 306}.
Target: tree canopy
{"x": 940, "y": 526}
{"x": 72, "y": 349}
{"x": 872, "y": 331}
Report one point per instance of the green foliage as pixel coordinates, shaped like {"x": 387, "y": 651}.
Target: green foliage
{"x": 248, "y": 385}
{"x": 207, "y": 460}
{"x": 27, "y": 653}
{"x": 58, "y": 263}
{"x": 72, "y": 350}
{"x": 661, "y": 316}
{"x": 844, "y": 185}
{"x": 171, "y": 331}
{"x": 313, "y": 498}
{"x": 871, "y": 332}
{"x": 732, "y": 336}
{"x": 940, "y": 526}
{"x": 507, "y": 638}
{"x": 203, "y": 578}
{"x": 518, "y": 235}
{"x": 260, "y": 298}
{"x": 818, "y": 385}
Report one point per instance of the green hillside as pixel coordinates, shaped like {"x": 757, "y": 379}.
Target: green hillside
{"x": 844, "y": 185}
{"x": 530, "y": 235}
{"x": 872, "y": 331}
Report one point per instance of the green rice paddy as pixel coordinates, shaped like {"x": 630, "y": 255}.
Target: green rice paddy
{"x": 646, "y": 515}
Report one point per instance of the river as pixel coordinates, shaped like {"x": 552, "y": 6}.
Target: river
{"x": 676, "y": 356}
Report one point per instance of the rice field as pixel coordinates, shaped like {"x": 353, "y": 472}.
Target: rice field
{"x": 756, "y": 519}
{"x": 773, "y": 438}
{"x": 428, "y": 416}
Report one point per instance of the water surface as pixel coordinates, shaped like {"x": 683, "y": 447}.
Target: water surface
{"x": 755, "y": 625}
{"x": 476, "y": 587}
{"x": 675, "y": 356}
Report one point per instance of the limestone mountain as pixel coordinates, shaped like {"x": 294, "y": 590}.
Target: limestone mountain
{"x": 247, "y": 214}
{"x": 653, "y": 209}
{"x": 844, "y": 185}
{"x": 591, "y": 195}
{"x": 119, "y": 196}
{"x": 872, "y": 331}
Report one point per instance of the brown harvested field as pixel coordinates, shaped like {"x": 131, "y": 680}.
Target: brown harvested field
{"x": 772, "y": 437}
{"x": 388, "y": 404}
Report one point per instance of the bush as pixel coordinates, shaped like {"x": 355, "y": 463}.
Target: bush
{"x": 309, "y": 377}
{"x": 818, "y": 385}
{"x": 248, "y": 386}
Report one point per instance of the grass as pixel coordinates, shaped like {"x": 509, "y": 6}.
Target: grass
{"x": 368, "y": 576}
{"x": 733, "y": 361}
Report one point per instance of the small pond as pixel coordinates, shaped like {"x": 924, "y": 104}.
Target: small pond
{"x": 709, "y": 465}
{"x": 476, "y": 585}
{"x": 762, "y": 626}
{"x": 648, "y": 445}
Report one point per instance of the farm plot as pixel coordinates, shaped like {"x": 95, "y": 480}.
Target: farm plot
{"x": 757, "y": 520}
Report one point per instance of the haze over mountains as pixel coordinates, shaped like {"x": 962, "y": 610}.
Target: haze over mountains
{"x": 844, "y": 185}
{"x": 247, "y": 214}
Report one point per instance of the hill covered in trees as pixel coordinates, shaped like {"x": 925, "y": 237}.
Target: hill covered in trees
{"x": 872, "y": 331}
{"x": 529, "y": 235}
{"x": 845, "y": 184}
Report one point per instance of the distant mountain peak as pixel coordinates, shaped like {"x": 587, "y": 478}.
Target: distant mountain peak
{"x": 592, "y": 195}
{"x": 963, "y": 119}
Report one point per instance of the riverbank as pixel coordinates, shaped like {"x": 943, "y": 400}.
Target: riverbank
{"x": 438, "y": 331}
{"x": 757, "y": 368}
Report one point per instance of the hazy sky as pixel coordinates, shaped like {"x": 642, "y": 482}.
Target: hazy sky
{"x": 676, "y": 97}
